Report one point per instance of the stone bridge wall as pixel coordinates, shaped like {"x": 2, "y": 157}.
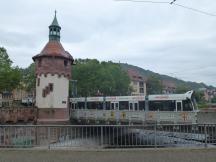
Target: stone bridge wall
{"x": 20, "y": 114}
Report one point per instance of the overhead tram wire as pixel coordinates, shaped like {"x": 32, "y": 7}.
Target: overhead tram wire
{"x": 145, "y": 1}
{"x": 171, "y": 3}
{"x": 194, "y": 9}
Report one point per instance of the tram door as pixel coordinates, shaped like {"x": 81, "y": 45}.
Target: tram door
{"x": 178, "y": 105}
{"x": 133, "y": 106}
{"x": 114, "y": 106}
{"x": 73, "y": 106}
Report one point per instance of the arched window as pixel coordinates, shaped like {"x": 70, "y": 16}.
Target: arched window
{"x": 65, "y": 63}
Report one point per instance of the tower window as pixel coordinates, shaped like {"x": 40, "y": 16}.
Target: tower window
{"x": 51, "y": 87}
{"x": 65, "y": 62}
{"x": 44, "y": 93}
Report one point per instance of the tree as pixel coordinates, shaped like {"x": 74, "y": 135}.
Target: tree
{"x": 9, "y": 76}
{"x": 182, "y": 89}
{"x": 199, "y": 96}
{"x": 213, "y": 100}
{"x": 154, "y": 85}
{"x": 28, "y": 78}
{"x": 95, "y": 78}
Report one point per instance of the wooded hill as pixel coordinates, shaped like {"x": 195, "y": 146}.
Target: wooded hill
{"x": 178, "y": 82}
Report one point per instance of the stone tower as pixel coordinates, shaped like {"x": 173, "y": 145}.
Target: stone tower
{"x": 53, "y": 72}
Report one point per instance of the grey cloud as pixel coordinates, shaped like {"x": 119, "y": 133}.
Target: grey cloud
{"x": 163, "y": 38}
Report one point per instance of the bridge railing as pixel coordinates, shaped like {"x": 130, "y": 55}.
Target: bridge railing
{"x": 107, "y": 136}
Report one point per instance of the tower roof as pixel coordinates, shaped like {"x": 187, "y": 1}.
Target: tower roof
{"x": 54, "y": 49}
{"x": 55, "y": 21}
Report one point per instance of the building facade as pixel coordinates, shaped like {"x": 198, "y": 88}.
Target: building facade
{"x": 138, "y": 83}
{"x": 53, "y": 72}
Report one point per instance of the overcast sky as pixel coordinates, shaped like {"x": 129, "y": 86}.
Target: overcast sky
{"x": 160, "y": 37}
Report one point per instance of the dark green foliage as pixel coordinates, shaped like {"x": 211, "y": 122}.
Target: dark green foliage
{"x": 213, "y": 100}
{"x": 182, "y": 88}
{"x": 95, "y": 78}
{"x": 9, "y": 76}
{"x": 199, "y": 96}
{"x": 28, "y": 78}
{"x": 154, "y": 85}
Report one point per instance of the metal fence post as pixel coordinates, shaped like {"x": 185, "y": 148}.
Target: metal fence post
{"x": 155, "y": 135}
{"x": 205, "y": 130}
{"x": 49, "y": 138}
{"x": 101, "y": 135}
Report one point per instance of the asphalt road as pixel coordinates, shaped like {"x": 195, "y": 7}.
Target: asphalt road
{"x": 144, "y": 155}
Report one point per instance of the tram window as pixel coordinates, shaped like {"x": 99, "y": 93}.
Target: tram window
{"x": 187, "y": 106}
{"x": 155, "y": 105}
{"x": 107, "y": 105}
{"x": 112, "y": 106}
{"x": 162, "y": 105}
{"x": 74, "y": 105}
{"x": 91, "y": 105}
{"x": 131, "y": 106}
{"x": 95, "y": 105}
{"x": 123, "y": 105}
{"x": 169, "y": 105}
{"x": 141, "y": 105}
{"x": 135, "y": 106}
{"x": 81, "y": 105}
{"x": 99, "y": 105}
{"x": 116, "y": 106}
{"x": 178, "y": 106}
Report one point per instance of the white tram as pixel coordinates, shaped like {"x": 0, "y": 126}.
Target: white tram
{"x": 171, "y": 108}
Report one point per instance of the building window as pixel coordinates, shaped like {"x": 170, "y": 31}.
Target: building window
{"x": 38, "y": 82}
{"x": 51, "y": 87}
{"x": 141, "y": 90}
{"x": 46, "y": 90}
{"x": 65, "y": 62}
{"x": 135, "y": 82}
{"x": 141, "y": 84}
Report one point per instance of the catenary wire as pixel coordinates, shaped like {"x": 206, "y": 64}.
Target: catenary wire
{"x": 172, "y": 3}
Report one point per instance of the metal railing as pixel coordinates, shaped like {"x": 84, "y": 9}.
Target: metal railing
{"x": 107, "y": 136}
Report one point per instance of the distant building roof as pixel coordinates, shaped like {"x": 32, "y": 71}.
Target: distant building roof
{"x": 134, "y": 75}
{"x": 167, "y": 83}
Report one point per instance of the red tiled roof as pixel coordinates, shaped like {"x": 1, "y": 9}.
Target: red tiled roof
{"x": 134, "y": 75}
{"x": 167, "y": 83}
{"x": 54, "y": 49}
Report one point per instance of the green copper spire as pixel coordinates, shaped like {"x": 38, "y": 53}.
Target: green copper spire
{"x": 54, "y": 30}
{"x": 55, "y": 21}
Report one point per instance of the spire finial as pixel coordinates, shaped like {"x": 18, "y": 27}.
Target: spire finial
{"x": 55, "y": 13}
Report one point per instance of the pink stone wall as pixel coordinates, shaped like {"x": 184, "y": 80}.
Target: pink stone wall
{"x": 52, "y": 115}
{"x": 53, "y": 65}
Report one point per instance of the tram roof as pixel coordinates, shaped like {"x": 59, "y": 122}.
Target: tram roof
{"x": 162, "y": 97}
{"x": 184, "y": 96}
